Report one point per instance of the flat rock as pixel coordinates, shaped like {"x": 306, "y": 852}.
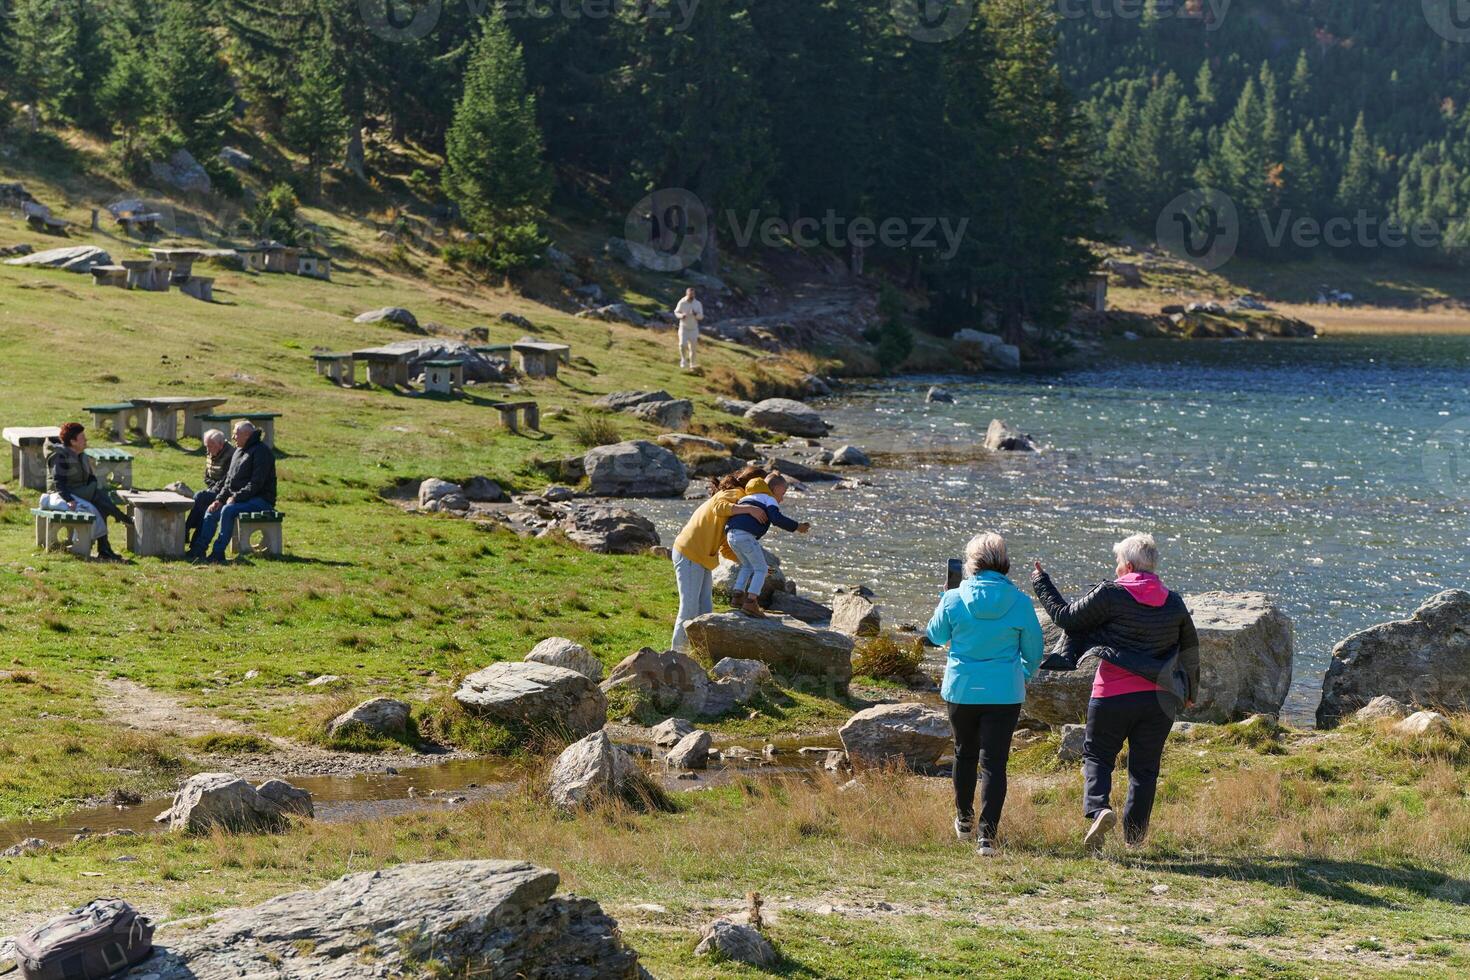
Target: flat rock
{"x": 733, "y": 406}
{"x": 635, "y": 469}
{"x": 671, "y": 680}
{"x": 620, "y": 401}
{"x": 776, "y": 581}
{"x": 675, "y": 414}
{"x": 787, "y": 646}
{"x": 690, "y": 752}
{"x": 390, "y": 314}
{"x": 855, "y": 614}
{"x": 592, "y": 770}
{"x": 558, "y": 651}
{"x": 77, "y": 258}
{"x": 724, "y": 939}
{"x": 807, "y": 610}
{"x": 789, "y": 416}
{"x": 378, "y": 716}
{"x": 539, "y": 697}
{"x": 1424, "y": 659}
{"x": 915, "y": 733}
{"x": 683, "y": 440}
{"x": 670, "y": 731}
{"x": 467, "y": 918}
{"x": 850, "y": 456}
{"x": 607, "y": 530}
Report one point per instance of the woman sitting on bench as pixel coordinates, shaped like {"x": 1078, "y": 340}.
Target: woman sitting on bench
{"x": 72, "y": 485}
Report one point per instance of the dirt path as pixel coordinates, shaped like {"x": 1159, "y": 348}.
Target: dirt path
{"x": 141, "y": 708}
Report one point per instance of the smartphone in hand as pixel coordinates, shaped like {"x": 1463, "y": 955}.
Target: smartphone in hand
{"x": 954, "y": 574}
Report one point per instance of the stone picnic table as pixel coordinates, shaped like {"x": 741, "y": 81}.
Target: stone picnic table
{"x": 117, "y": 419}
{"x": 340, "y": 367}
{"x": 444, "y": 377}
{"x": 163, "y": 415}
{"x": 113, "y": 466}
{"x": 28, "y": 453}
{"x": 158, "y": 522}
{"x": 537, "y": 359}
{"x": 386, "y": 368}
{"x": 264, "y": 421}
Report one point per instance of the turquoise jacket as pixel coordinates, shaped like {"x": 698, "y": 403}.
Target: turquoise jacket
{"x": 994, "y": 641}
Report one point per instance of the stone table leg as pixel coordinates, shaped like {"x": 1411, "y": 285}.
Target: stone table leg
{"x": 157, "y": 532}
{"x": 163, "y": 423}
{"x": 268, "y": 432}
{"x": 32, "y": 467}
{"x": 193, "y": 424}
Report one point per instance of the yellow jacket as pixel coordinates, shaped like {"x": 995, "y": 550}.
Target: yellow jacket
{"x": 703, "y": 538}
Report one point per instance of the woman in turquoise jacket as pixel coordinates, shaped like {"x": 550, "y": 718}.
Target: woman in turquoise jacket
{"x": 995, "y": 646}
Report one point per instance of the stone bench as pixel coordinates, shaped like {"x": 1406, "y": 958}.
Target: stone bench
{"x": 266, "y": 523}
{"x": 113, "y": 466}
{"x": 117, "y": 420}
{"x": 264, "y": 421}
{"x": 199, "y": 287}
{"x": 530, "y": 411}
{"x": 58, "y": 529}
{"x": 341, "y": 368}
{"x": 535, "y": 359}
{"x": 109, "y": 275}
{"x": 443, "y": 377}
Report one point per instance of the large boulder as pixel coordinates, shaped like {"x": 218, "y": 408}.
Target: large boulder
{"x": 671, "y": 680}
{"x": 789, "y": 416}
{"x": 1001, "y": 436}
{"x": 286, "y": 798}
{"x": 690, "y": 752}
{"x": 558, "y": 651}
{"x": 635, "y": 469}
{"x": 441, "y": 495}
{"x": 850, "y": 456}
{"x": 1245, "y": 655}
{"x": 987, "y": 350}
{"x": 738, "y": 942}
{"x": 1059, "y": 697}
{"x": 396, "y": 315}
{"x": 212, "y": 801}
{"x": 917, "y": 734}
{"x": 607, "y": 530}
{"x": 1424, "y": 659}
{"x": 855, "y": 613}
{"x": 621, "y": 401}
{"x": 809, "y": 611}
{"x": 477, "y": 366}
{"x": 788, "y": 647}
{"x": 538, "y": 697}
{"x": 776, "y": 581}
{"x": 733, "y": 683}
{"x": 376, "y": 716}
{"x": 78, "y": 258}
{"x": 449, "y": 918}
{"x": 181, "y": 170}
{"x": 591, "y": 770}
{"x": 669, "y": 731}
{"x": 674, "y": 414}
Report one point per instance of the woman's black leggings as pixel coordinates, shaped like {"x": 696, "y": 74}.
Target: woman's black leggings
{"x": 982, "y": 741}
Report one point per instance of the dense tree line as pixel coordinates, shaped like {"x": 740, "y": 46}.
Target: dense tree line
{"x": 760, "y": 108}
{"x": 1355, "y": 110}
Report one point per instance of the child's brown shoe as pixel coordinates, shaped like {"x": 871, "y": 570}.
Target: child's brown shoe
{"x": 737, "y": 599}
{"x": 752, "y": 608}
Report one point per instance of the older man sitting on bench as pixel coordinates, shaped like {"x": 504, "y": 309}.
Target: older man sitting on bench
{"x": 249, "y": 486}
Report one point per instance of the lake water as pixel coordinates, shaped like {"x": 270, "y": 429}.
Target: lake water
{"x": 1329, "y": 474}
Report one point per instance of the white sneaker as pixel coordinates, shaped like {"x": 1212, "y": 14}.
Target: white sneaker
{"x": 1097, "y": 834}
{"x": 986, "y": 848}
{"x": 964, "y": 827}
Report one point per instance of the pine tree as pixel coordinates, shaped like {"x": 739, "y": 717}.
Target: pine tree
{"x": 126, "y": 95}
{"x": 494, "y": 165}
{"x": 315, "y": 122}
{"x": 41, "y": 45}
{"x": 90, "y": 56}
{"x": 1204, "y": 89}
{"x": 1358, "y": 189}
{"x": 194, "y": 94}
{"x": 1301, "y": 86}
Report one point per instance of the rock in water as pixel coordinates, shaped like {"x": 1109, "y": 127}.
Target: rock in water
{"x": 441, "y": 495}
{"x": 1004, "y": 437}
{"x": 1424, "y": 659}
{"x": 850, "y": 456}
{"x": 79, "y": 258}
{"x": 856, "y": 614}
{"x": 669, "y": 415}
{"x": 538, "y": 697}
{"x": 673, "y": 681}
{"x": 287, "y": 798}
{"x": 786, "y": 415}
{"x": 1380, "y": 708}
{"x": 635, "y": 469}
{"x": 453, "y": 918}
{"x": 808, "y": 611}
{"x": 691, "y": 751}
{"x": 915, "y": 733}
{"x": 939, "y": 396}
{"x": 786, "y": 646}
{"x": 558, "y": 651}
{"x": 1245, "y": 654}
{"x": 377, "y": 716}
{"x": 591, "y": 770}
{"x": 670, "y": 731}
{"x": 607, "y": 530}
{"x": 740, "y": 943}
{"x": 218, "y": 800}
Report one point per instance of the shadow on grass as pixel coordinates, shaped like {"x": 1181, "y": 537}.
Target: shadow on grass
{"x": 295, "y": 560}
{"x": 1337, "y": 880}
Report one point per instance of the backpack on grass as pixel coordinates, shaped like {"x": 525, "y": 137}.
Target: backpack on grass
{"x": 98, "y": 940}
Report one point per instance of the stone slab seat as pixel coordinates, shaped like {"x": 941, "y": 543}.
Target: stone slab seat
{"x": 57, "y": 529}
{"x": 267, "y": 523}
{"x": 109, "y": 275}
{"x": 117, "y": 418}
{"x": 340, "y": 367}
{"x": 530, "y": 410}
{"x": 113, "y": 465}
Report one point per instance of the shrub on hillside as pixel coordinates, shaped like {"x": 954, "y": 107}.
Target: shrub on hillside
{"x": 884, "y": 656}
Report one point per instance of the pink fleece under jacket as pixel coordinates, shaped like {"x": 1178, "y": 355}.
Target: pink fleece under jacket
{"x": 1111, "y": 681}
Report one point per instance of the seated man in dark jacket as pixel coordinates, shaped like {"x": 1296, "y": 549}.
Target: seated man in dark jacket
{"x": 217, "y": 456}
{"x": 72, "y": 485}
{"x": 249, "y": 486}
{"x": 1146, "y": 640}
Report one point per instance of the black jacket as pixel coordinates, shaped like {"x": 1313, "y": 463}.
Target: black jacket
{"x": 252, "y": 473}
{"x": 1156, "y": 642}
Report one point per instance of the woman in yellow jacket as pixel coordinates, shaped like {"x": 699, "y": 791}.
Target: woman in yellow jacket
{"x": 698, "y": 547}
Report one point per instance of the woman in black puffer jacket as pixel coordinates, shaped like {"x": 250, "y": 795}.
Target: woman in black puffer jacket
{"x": 1146, "y": 640}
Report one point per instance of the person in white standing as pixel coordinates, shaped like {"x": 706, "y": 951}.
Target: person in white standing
{"x": 689, "y": 312}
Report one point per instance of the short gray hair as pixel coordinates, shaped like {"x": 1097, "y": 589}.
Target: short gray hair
{"x": 1140, "y": 551}
{"x": 213, "y": 435}
{"x": 986, "y": 552}
{"x": 245, "y": 426}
